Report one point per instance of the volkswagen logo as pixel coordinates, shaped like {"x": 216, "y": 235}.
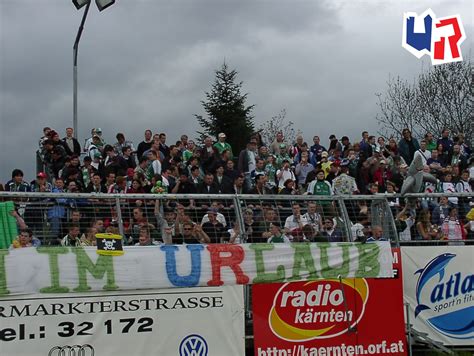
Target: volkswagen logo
{"x": 193, "y": 345}
{"x": 75, "y": 350}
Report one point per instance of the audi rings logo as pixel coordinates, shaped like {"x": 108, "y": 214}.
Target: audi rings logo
{"x": 75, "y": 350}
{"x": 193, "y": 345}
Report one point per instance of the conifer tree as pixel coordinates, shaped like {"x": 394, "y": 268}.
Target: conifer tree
{"x": 226, "y": 111}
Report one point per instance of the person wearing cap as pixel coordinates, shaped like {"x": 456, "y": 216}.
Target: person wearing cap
{"x": 344, "y": 184}
{"x": 213, "y": 228}
{"x": 215, "y": 209}
{"x": 40, "y": 184}
{"x": 94, "y": 146}
{"x": 325, "y": 163}
{"x": 283, "y": 155}
{"x": 221, "y": 145}
{"x": 94, "y": 132}
{"x": 382, "y": 175}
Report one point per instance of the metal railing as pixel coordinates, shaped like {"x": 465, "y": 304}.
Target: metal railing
{"x": 50, "y": 214}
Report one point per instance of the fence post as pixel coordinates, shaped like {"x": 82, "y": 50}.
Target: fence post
{"x": 345, "y": 217}
{"x": 240, "y": 218}
{"x": 392, "y": 222}
{"x": 119, "y": 216}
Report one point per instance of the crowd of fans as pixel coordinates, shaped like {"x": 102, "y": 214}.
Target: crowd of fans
{"x": 370, "y": 166}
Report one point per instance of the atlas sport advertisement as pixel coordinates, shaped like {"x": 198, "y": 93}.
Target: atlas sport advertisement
{"x": 439, "y": 287}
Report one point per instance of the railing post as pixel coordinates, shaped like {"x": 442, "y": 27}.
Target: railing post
{"x": 407, "y": 311}
{"x": 345, "y": 217}
{"x": 240, "y": 218}
{"x": 119, "y": 216}
{"x": 392, "y": 222}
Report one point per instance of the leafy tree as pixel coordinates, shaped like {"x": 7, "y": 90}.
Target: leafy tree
{"x": 269, "y": 129}
{"x": 440, "y": 97}
{"x": 226, "y": 111}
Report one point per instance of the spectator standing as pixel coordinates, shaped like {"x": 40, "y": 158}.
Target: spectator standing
{"x": 221, "y": 145}
{"x": 445, "y": 141}
{"x": 317, "y": 149}
{"x": 423, "y": 152}
{"x": 71, "y": 144}
{"x": 145, "y": 145}
{"x": 121, "y": 143}
{"x": 407, "y": 146}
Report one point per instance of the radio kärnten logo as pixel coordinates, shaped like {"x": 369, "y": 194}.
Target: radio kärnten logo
{"x": 317, "y": 309}
{"x": 444, "y": 297}
{"x": 439, "y": 38}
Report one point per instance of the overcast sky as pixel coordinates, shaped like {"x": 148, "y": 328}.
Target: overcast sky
{"x": 147, "y": 64}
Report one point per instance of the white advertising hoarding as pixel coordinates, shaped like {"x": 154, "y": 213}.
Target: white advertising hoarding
{"x": 179, "y": 321}
{"x": 438, "y": 284}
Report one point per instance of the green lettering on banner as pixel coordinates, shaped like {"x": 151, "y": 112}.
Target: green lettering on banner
{"x": 303, "y": 256}
{"x": 3, "y": 273}
{"x": 369, "y": 265}
{"x": 104, "y": 264}
{"x": 333, "y": 271}
{"x": 53, "y": 253}
{"x": 263, "y": 277}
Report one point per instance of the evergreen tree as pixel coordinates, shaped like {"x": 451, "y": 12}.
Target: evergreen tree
{"x": 226, "y": 111}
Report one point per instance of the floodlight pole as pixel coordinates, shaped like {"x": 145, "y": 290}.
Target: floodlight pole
{"x": 74, "y": 52}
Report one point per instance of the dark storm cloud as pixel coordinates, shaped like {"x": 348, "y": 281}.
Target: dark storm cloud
{"x": 147, "y": 64}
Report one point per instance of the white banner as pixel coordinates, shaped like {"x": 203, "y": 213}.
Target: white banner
{"x": 184, "y": 322}
{"x": 66, "y": 269}
{"x": 438, "y": 284}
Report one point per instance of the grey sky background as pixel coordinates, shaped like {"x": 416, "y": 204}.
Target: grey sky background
{"x": 147, "y": 64}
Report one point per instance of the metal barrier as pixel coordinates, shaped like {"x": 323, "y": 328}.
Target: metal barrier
{"x": 244, "y": 218}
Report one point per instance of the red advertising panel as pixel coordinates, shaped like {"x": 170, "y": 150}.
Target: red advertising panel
{"x": 329, "y": 317}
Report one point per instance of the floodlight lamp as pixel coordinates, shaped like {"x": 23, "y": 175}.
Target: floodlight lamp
{"x": 103, "y": 4}
{"x": 80, "y": 3}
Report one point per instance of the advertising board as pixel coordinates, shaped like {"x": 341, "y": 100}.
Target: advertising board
{"x": 331, "y": 317}
{"x": 197, "y": 321}
{"x": 438, "y": 285}
{"x": 77, "y": 269}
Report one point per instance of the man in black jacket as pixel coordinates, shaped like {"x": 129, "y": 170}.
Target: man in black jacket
{"x": 71, "y": 144}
